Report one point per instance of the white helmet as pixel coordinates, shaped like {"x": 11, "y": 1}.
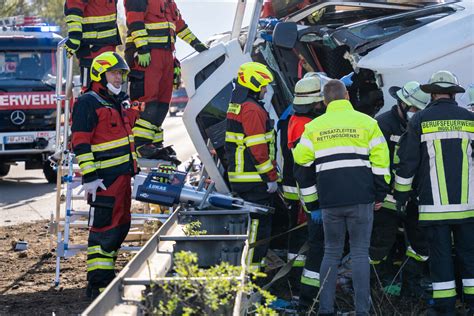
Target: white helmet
{"x": 307, "y": 92}
{"x": 412, "y": 95}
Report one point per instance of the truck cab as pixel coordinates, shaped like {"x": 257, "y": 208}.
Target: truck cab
{"x": 385, "y": 43}
{"x": 27, "y": 97}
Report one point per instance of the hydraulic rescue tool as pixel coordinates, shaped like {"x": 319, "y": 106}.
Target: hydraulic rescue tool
{"x": 168, "y": 189}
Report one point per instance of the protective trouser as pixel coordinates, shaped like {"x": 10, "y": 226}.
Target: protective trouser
{"x": 86, "y": 54}
{"x": 154, "y": 86}
{"x": 109, "y": 222}
{"x": 310, "y": 282}
{"x": 441, "y": 239}
{"x": 297, "y": 238}
{"x": 261, "y": 225}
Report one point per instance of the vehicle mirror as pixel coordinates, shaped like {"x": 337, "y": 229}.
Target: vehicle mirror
{"x": 285, "y": 35}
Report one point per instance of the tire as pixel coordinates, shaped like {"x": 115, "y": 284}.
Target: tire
{"x": 4, "y": 169}
{"x": 49, "y": 173}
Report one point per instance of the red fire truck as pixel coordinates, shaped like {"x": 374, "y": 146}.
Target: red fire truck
{"x": 27, "y": 95}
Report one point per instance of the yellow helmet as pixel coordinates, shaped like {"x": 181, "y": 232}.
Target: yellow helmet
{"x": 107, "y": 61}
{"x": 254, "y": 76}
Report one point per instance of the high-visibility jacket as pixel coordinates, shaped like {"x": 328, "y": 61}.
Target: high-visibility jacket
{"x": 437, "y": 151}
{"x": 392, "y": 127}
{"x": 290, "y": 190}
{"x": 102, "y": 138}
{"x": 304, "y": 176}
{"x": 155, "y": 24}
{"x": 350, "y": 154}
{"x": 249, "y": 145}
{"x": 93, "y": 22}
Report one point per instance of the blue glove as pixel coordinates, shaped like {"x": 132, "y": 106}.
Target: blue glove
{"x": 317, "y": 216}
{"x": 347, "y": 79}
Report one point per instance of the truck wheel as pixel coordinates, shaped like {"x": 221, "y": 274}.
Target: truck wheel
{"x": 49, "y": 173}
{"x": 4, "y": 169}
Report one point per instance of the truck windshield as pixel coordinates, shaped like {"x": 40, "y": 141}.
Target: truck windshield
{"x": 27, "y": 65}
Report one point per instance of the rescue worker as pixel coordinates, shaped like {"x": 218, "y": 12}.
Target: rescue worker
{"x": 352, "y": 172}
{"x": 92, "y": 30}
{"x": 307, "y": 105}
{"x": 250, "y": 151}
{"x": 102, "y": 141}
{"x": 410, "y": 99}
{"x": 437, "y": 151}
{"x": 152, "y": 29}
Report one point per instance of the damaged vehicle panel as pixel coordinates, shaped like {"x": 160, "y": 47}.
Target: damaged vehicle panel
{"x": 378, "y": 41}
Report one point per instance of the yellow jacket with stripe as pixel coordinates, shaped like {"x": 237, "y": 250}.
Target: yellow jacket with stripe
{"x": 436, "y": 151}
{"x": 350, "y": 154}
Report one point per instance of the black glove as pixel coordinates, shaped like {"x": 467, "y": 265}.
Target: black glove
{"x": 402, "y": 208}
{"x": 199, "y": 46}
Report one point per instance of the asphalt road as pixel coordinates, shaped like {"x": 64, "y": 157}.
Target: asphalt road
{"x": 26, "y": 196}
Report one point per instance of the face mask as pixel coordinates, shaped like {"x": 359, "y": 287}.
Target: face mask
{"x": 114, "y": 90}
{"x": 410, "y": 115}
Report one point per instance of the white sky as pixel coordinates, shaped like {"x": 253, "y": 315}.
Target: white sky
{"x": 206, "y": 18}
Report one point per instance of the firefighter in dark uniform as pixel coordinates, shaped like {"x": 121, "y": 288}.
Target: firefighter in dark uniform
{"x": 102, "y": 141}
{"x": 410, "y": 99}
{"x": 437, "y": 151}
{"x": 92, "y": 30}
{"x": 250, "y": 151}
{"x": 152, "y": 29}
{"x": 307, "y": 105}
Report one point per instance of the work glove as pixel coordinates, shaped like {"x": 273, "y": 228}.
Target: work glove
{"x": 272, "y": 187}
{"x": 91, "y": 188}
{"x": 177, "y": 74}
{"x": 317, "y": 216}
{"x": 144, "y": 59}
{"x": 199, "y": 46}
{"x": 347, "y": 79}
{"x": 71, "y": 46}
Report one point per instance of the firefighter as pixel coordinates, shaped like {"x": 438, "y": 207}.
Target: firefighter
{"x": 102, "y": 141}
{"x": 437, "y": 151}
{"x": 307, "y": 105}
{"x": 92, "y": 30}
{"x": 250, "y": 151}
{"x": 352, "y": 163}
{"x": 410, "y": 99}
{"x": 152, "y": 29}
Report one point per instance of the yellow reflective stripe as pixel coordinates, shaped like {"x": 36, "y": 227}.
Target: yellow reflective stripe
{"x": 99, "y": 35}
{"x": 465, "y": 171}
{"x": 447, "y": 125}
{"x": 158, "y": 137}
{"x": 74, "y": 27}
{"x": 444, "y": 293}
{"x": 143, "y": 133}
{"x": 239, "y": 159}
{"x": 146, "y": 124}
{"x": 134, "y": 156}
{"x": 264, "y": 167}
{"x": 100, "y": 264}
{"x": 410, "y": 252}
{"x": 443, "y": 190}
{"x": 244, "y": 177}
{"x": 139, "y": 33}
{"x": 160, "y": 26}
{"x": 159, "y": 39}
{"x": 100, "y": 19}
{"x": 424, "y": 216}
{"x": 110, "y": 145}
{"x": 140, "y": 41}
{"x": 234, "y": 138}
{"x": 255, "y": 140}
{"x": 84, "y": 157}
{"x": 112, "y": 162}
{"x": 184, "y": 32}
{"x": 87, "y": 167}
{"x": 74, "y": 18}
{"x": 98, "y": 250}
